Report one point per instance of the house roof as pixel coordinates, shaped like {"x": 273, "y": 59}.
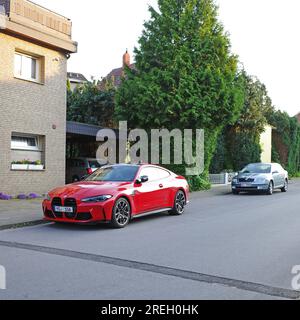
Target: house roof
{"x": 76, "y": 77}
{"x": 117, "y": 74}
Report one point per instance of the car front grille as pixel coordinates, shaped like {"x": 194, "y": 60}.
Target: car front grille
{"x": 246, "y": 180}
{"x": 57, "y": 202}
{"x": 70, "y": 202}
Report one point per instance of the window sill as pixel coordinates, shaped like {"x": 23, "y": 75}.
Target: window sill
{"x": 30, "y": 80}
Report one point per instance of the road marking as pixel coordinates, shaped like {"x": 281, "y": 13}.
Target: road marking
{"x": 178, "y": 273}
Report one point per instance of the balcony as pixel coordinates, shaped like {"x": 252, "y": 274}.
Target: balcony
{"x": 29, "y": 20}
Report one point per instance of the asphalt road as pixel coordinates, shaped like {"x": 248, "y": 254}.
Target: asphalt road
{"x": 224, "y": 247}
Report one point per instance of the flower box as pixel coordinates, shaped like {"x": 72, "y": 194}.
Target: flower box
{"x": 19, "y": 166}
{"x": 35, "y": 167}
{"x": 27, "y": 167}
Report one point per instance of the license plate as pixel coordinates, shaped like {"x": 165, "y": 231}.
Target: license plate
{"x": 63, "y": 209}
{"x": 245, "y": 185}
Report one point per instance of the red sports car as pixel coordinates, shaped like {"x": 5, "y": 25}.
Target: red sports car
{"x": 116, "y": 194}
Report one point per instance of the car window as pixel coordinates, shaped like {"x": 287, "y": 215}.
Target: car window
{"x": 154, "y": 174}
{"x": 257, "y": 168}
{"x": 114, "y": 174}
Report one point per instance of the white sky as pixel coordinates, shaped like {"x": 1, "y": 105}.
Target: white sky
{"x": 264, "y": 33}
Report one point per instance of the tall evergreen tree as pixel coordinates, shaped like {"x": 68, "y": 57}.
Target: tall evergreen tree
{"x": 185, "y": 75}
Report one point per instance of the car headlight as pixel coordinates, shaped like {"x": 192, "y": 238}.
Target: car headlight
{"x": 234, "y": 180}
{"x": 101, "y": 198}
{"x": 47, "y": 197}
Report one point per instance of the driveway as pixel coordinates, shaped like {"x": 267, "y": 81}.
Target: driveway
{"x": 224, "y": 247}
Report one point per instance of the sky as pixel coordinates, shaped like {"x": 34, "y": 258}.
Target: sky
{"x": 264, "y": 34}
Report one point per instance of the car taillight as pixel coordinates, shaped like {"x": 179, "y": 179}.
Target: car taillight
{"x": 89, "y": 171}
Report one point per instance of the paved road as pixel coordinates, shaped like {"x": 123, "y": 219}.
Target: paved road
{"x": 224, "y": 247}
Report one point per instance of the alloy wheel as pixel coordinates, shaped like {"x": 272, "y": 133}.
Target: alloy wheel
{"x": 285, "y": 187}
{"x": 270, "y": 190}
{"x": 122, "y": 212}
{"x": 180, "y": 202}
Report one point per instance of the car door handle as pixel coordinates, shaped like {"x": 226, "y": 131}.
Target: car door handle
{"x": 161, "y": 186}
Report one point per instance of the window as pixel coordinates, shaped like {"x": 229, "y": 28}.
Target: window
{"x": 155, "y": 174}
{"x": 24, "y": 143}
{"x": 27, "y": 67}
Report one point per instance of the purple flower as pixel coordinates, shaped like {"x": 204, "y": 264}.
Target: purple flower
{"x": 33, "y": 196}
{"x": 22, "y": 197}
{"x": 5, "y": 197}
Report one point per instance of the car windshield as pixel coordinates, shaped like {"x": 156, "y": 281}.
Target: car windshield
{"x": 257, "y": 168}
{"x": 114, "y": 173}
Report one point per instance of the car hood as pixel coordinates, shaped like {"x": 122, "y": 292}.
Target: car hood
{"x": 253, "y": 175}
{"x": 80, "y": 190}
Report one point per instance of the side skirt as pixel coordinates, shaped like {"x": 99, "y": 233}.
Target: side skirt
{"x": 150, "y": 213}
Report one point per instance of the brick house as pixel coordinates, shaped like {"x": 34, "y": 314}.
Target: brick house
{"x": 35, "y": 44}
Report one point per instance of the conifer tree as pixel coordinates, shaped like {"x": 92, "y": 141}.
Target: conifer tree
{"x": 185, "y": 77}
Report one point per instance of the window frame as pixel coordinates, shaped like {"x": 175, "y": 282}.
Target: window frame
{"x": 37, "y": 71}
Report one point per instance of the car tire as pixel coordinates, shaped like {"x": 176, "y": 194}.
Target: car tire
{"x": 235, "y": 192}
{"x": 286, "y": 186}
{"x": 270, "y": 188}
{"x": 121, "y": 214}
{"x": 179, "y": 204}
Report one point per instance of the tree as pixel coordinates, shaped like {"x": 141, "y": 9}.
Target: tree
{"x": 185, "y": 75}
{"x": 286, "y": 140}
{"x": 88, "y": 104}
{"x": 240, "y": 142}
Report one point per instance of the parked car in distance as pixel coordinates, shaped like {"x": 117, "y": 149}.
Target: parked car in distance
{"x": 116, "y": 194}
{"x": 261, "y": 177}
{"x": 80, "y": 167}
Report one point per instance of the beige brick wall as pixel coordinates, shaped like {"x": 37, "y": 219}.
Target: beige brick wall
{"x": 32, "y": 108}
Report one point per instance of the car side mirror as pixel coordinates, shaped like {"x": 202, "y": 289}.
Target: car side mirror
{"x": 142, "y": 179}
{"x": 138, "y": 181}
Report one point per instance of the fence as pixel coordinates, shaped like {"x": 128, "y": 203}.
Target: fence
{"x": 222, "y": 178}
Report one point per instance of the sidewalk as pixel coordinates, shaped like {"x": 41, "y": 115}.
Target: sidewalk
{"x": 14, "y": 212}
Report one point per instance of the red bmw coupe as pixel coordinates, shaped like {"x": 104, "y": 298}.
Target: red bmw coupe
{"x": 116, "y": 194}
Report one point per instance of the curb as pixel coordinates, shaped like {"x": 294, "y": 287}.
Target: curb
{"x": 23, "y": 225}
